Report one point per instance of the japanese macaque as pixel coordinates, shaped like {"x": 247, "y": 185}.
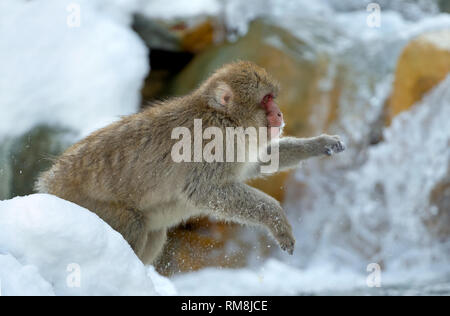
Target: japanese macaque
{"x": 127, "y": 175}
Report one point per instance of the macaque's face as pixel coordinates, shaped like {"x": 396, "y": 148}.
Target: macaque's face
{"x": 275, "y": 121}
{"x": 247, "y": 93}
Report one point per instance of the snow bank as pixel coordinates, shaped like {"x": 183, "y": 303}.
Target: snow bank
{"x": 58, "y": 72}
{"x": 52, "y": 246}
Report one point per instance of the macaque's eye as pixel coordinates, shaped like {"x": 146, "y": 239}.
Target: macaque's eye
{"x": 267, "y": 99}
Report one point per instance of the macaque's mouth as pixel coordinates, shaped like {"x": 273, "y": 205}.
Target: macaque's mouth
{"x": 280, "y": 125}
{"x": 275, "y": 131}
{"x": 270, "y": 125}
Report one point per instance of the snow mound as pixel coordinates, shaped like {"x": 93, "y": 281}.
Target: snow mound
{"x": 49, "y": 246}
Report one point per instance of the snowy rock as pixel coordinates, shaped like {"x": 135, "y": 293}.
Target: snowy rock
{"x": 52, "y": 246}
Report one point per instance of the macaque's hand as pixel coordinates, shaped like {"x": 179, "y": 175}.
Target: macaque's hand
{"x": 286, "y": 241}
{"x": 329, "y": 145}
{"x": 282, "y": 231}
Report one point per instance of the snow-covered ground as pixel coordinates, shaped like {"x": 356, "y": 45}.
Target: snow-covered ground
{"x": 49, "y": 246}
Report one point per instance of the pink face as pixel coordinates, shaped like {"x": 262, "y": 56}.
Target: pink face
{"x": 274, "y": 115}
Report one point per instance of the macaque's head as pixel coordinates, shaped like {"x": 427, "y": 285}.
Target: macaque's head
{"x": 246, "y": 94}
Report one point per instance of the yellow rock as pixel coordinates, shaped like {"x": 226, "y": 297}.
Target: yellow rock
{"x": 199, "y": 37}
{"x": 424, "y": 62}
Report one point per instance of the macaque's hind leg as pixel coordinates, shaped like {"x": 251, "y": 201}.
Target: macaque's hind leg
{"x": 133, "y": 227}
{"x": 155, "y": 243}
{"x": 129, "y": 222}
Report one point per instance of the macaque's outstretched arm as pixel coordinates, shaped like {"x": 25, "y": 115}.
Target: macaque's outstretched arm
{"x": 238, "y": 202}
{"x": 293, "y": 150}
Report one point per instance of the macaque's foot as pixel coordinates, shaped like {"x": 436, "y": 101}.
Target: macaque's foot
{"x": 332, "y": 144}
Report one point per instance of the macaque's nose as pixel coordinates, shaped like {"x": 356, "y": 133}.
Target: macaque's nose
{"x": 280, "y": 115}
{"x": 275, "y": 117}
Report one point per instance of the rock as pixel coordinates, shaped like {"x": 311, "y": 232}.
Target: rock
{"x": 199, "y": 37}
{"x": 28, "y": 155}
{"x": 444, "y": 5}
{"x": 201, "y": 243}
{"x": 439, "y": 221}
{"x": 155, "y": 34}
{"x": 424, "y": 63}
{"x": 188, "y": 35}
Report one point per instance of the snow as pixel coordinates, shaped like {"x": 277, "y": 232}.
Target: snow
{"x": 18, "y": 279}
{"x": 180, "y": 9}
{"x": 438, "y": 39}
{"x": 275, "y": 277}
{"x": 49, "y": 246}
{"x": 77, "y": 77}
{"x": 162, "y": 284}
{"x": 272, "y": 278}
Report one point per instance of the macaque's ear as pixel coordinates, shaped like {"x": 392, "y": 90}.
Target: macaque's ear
{"x": 222, "y": 96}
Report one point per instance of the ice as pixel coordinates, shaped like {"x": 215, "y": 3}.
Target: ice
{"x": 52, "y": 246}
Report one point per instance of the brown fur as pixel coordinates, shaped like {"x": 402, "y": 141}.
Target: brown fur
{"x": 125, "y": 174}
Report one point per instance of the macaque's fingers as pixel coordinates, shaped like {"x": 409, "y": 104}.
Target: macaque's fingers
{"x": 286, "y": 241}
